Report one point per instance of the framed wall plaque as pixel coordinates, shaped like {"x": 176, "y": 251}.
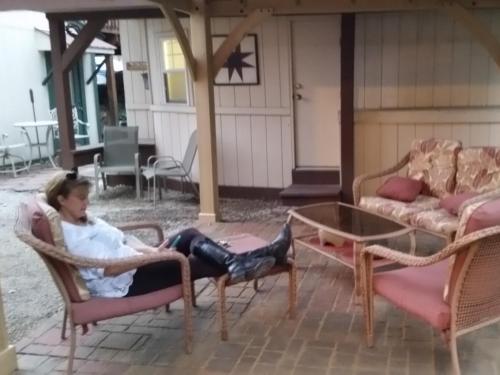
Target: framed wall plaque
{"x": 242, "y": 66}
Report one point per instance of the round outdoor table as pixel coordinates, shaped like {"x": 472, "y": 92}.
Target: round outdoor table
{"x": 49, "y": 124}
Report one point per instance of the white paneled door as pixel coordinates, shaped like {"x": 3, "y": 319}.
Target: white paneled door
{"x": 316, "y": 91}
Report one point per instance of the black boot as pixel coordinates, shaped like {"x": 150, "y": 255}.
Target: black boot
{"x": 239, "y": 267}
{"x": 278, "y": 248}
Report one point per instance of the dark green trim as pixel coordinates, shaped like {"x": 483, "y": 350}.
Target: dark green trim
{"x": 78, "y": 90}
{"x": 78, "y": 93}
{"x": 50, "y": 81}
{"x": 96, "y": 99}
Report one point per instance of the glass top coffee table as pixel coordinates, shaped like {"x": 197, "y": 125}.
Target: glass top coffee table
{"x": 353, "y": 226}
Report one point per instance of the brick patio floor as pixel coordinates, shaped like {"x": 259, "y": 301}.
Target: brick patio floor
{"x": 326, "y": 337}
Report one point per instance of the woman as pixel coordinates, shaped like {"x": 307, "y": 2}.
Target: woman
{"x": 92, "y": 237}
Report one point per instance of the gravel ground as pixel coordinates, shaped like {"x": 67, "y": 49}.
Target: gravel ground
{"x": 29, "y": 295}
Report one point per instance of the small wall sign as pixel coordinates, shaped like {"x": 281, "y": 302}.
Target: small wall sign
{"x": 136, "y": 65}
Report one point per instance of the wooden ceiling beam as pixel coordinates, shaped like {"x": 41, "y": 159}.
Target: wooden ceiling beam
{"x": 128, "y": 9}
{"x": 220, "y": 8}
{"x": 111, "y": 9}
{"x": 109, "y": 14}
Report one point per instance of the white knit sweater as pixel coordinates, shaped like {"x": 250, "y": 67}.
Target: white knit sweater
{"x": 98, "y": 239}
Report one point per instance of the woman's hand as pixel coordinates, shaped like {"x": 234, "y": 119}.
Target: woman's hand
{"x": 166, "y": 245}
{"x": 162, "y": 247}
{"x": 147, "y": 249}
{"x": 139, "y": 246}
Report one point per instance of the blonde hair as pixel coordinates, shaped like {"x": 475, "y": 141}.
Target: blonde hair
{"x": 62, "y": 184}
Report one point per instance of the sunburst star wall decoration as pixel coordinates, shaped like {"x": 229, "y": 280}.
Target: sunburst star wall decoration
{"x": 241, "y": 67}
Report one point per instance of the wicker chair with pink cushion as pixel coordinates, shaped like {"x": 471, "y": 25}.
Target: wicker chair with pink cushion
{"x": 38, "y": 225}
{"x": 455, "y": 290}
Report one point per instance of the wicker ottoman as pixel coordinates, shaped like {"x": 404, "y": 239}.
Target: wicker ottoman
{"x": 242, "y": 243}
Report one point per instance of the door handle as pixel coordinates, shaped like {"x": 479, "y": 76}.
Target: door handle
{"x": 297, "y": 96}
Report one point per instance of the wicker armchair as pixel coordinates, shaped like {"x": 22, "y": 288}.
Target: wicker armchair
{"x": 470, "y": 286}
{"x": 32, "y": 227}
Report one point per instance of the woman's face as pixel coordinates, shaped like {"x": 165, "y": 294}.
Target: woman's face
{"x": 74, "y": 206}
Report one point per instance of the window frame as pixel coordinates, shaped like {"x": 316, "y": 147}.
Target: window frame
{"x": 161, "y": 38}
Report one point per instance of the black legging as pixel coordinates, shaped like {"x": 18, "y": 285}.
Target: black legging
{"x": 160, "y": 275}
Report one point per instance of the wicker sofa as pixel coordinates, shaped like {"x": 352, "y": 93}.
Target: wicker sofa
{"x": 446, "y": 168}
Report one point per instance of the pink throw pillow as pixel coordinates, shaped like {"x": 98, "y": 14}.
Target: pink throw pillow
{"x": 453, "y": 202}
{"x": 40, "y": 226}
{"x": 403, "y": 189}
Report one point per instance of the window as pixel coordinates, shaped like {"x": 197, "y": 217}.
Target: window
{"x": 174, "y": 71}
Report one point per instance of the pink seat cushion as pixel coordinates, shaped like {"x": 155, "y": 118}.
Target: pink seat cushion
{"x": 403, "y": 189}
{"x": 453, "y": 202}
{"x": 242, "y": 243}
{"x": 97, "y": 309}
{"x": 418, "y": 290}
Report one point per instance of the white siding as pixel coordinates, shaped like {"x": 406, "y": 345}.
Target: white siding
{"x": 243, "y": 159}
{"x": 422, "y": 59}
{"x": 412, "y": 61}
{"x": 19, "y": 44}
{"x": 421, "y": 75}
{"x": 23, "y": 67}
{"x": 254, "y": 125}
{"x": 135, "y": 45}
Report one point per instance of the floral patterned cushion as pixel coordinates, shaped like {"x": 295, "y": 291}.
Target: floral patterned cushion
{"x": 439, "y": 220}
{"x": 478, "y": 169}
{"x": 401, "y": 211}
{"x": 434, "y": 161}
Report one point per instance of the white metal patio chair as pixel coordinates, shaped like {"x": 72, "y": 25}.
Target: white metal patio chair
{"x": 9, "y": 159}
{"x": 168, "y": 166}
{"x": 120, "y": 156}
{"x": 81, "y": 128}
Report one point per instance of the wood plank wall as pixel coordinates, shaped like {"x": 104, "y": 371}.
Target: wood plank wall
{"x": 420, "y": 75}
{"x": 137, "y": 97}
{"x": 417, "y": 74}
{"x": 253, "y": 123}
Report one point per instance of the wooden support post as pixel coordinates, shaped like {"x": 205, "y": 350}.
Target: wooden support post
{"x": 237, "y": 34}
{"x": 62, "y": 93}
{"x": 62, "y": 60}
{"x": 169, "y": 13}
{"x": 8, "y": 360}
{"x": 111, "y": 89}
{"x": 477, "y": 28}
{"x": 205, "y": 114}
{"x": 347, "y": 105}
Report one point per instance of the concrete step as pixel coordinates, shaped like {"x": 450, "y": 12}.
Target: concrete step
{"x": 302, "y": 194}
{"x": 315, "y": 176}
